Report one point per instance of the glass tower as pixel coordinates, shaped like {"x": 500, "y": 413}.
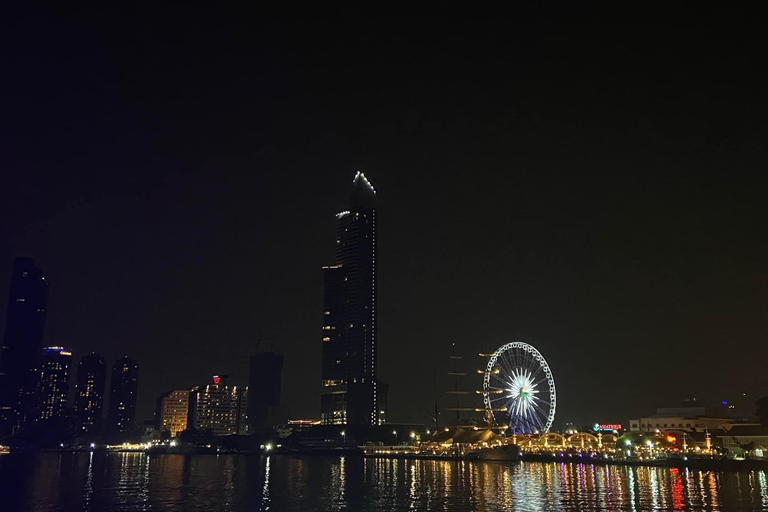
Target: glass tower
{"x": 54, "y": 382}
{"x": 21, "y": 351}
{"x": 123, "y": 388}
{"x": 351, "y": 392}
{"x": 89, "y": 403}
{"x": 264, "y": 382}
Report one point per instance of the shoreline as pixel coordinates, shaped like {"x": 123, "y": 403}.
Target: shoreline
{"x": 693, "y": 462}
{"x": 697, "y": 463}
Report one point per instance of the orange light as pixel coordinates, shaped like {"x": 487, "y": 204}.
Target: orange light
{"x": 670, "y": 438}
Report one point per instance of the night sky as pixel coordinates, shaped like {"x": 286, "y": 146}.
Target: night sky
{"x": 591, "y": 182}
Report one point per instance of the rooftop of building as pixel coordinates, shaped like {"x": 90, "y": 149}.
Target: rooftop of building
{"x": 750, "y": 430}
{"x": 363, "y": 193}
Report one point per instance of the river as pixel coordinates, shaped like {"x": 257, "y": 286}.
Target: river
{"x": 137, "y": 481}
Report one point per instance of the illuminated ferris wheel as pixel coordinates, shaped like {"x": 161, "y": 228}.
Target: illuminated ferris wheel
{"x": 519, "y": 390}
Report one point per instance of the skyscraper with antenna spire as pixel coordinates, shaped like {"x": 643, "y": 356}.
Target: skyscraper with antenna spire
{"x": 351, "y": 392}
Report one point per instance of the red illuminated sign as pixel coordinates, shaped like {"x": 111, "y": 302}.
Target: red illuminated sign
{"x": 216, "y": 380}
{"x": 609, "y": 426}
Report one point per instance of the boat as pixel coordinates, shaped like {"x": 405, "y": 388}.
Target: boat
{"x": 505, "y": 452}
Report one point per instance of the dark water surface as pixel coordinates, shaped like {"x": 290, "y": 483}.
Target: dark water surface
{"x": 136, "y": 481}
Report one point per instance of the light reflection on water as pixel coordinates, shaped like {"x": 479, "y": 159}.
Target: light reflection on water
{"x": 136, "y": 481}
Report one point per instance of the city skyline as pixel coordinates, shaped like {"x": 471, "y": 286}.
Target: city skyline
{"x": 601, "y": 201}
{"x": 460, "y": 262}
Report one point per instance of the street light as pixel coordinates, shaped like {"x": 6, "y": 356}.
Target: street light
{"x": 395, "y": 433}
{"x": 413, "y": 436}
{"x": 343, "y": 437}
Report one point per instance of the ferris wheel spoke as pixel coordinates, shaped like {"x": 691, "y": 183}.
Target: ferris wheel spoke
{"x": 500, "y": 402}
{"x": 498, "y": 398}
{"x": 538, "y": 370}
{"x": 508, "y": 367}
{"x": 538, "y": 408}
{"x": 514, "y": 364}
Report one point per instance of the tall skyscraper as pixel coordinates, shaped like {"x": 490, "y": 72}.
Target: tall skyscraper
{"x": 264, "y": 383}
{"x": 219, "y": 408}
{"x": 173, "y": 411}
{"x": 22, "y": 346}
{"x": 123, "y": 389}
{"x": 54, "y": 382}
{"x": 89, "y": 402}
{"x": 351, "y": 392}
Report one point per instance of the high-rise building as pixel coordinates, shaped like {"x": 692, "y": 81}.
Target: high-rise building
{"x": 219, "y": 408}
{"x": 89, "y": 402}
{"x": 22, "y": 346}
{"x": 54, "y": 382}
{"x": 264, "y": 382}
{"x": 123, "y": 389}
{"x": 173, "y": 410}
{"x": 351, "y": 392}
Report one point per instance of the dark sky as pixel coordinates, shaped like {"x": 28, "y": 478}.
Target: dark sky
{"x": 591, "y": 182}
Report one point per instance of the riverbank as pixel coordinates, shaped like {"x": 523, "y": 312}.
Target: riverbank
{"x": 691, "y": 462}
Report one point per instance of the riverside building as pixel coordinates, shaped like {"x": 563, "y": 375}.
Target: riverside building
{"x": 173, "y": 410}
{"x": 219, "y": 408}
{"x": 351, "y": 392}
{"x": 264, "y": 382}
{"x": 89, "y": 402}
{"x": 54, "y": 382}
{"x": 20, "y": 353}
{"x": 123, "y": 390}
